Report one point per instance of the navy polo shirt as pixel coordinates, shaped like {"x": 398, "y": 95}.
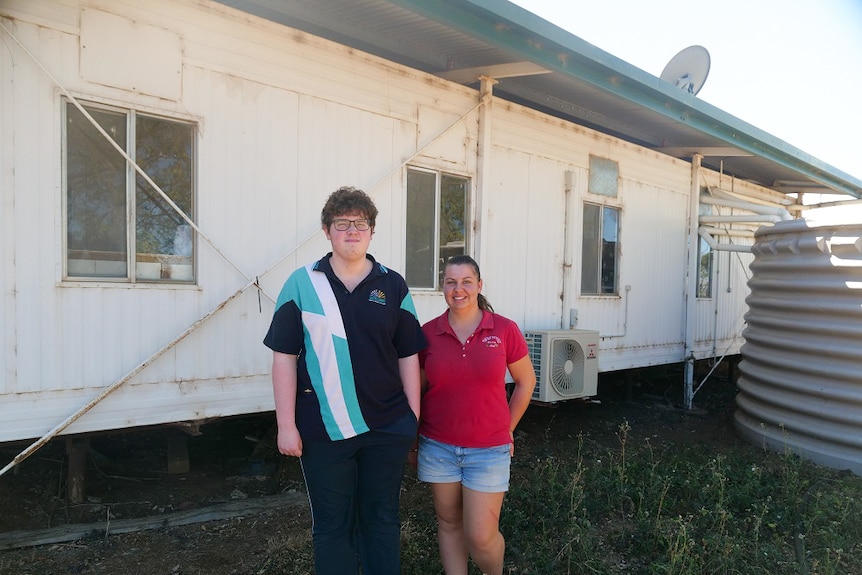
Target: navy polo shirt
{"x": 348, "y": 345}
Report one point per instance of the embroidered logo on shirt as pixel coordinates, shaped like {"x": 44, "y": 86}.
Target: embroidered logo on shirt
{"x": 377, "y": 296}
{"x": 492, "y": 341}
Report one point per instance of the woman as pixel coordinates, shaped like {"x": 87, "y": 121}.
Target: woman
{"x": 345, "y": 376}
{"x": 466, "y": 434}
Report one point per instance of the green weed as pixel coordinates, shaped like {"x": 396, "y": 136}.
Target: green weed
{"x": 637, "y": 508}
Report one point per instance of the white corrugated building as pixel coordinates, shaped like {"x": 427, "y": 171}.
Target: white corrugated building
{"x": 138, "y": 276}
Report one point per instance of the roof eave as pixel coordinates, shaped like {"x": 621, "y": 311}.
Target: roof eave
{"x": 538, "y": 41}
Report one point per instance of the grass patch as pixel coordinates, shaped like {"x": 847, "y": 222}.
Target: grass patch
{"x": 644, "y": 509}
{"x": 640, "y": 509}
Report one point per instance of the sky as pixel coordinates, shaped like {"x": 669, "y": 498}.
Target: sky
{"x": 792, "y": 68}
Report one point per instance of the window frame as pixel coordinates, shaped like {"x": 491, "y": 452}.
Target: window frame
{"x": 598, "y": 251}
{"x": 705, "y": 268}
{"x": 130, "y": 193}
{"x": 603, "y": 189}
{"x": 438, "y": 209}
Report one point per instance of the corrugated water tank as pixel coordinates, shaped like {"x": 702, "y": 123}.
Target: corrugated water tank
{"x": 800, "y": 383}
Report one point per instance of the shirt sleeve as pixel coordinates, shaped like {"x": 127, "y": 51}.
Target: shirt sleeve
{"x": 428, "y": 332}
{"x": 285, "y": 333}
{"x": 409, "y": 338}
{"x": 516, "y": 345}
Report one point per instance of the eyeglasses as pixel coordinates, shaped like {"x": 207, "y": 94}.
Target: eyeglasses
{"x": 344, "y": 225}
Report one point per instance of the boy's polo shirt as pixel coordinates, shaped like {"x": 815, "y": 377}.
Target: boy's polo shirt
{"x": 347, "y": 380}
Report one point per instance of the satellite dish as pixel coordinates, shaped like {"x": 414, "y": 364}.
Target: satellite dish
{"x": 688, "y": 69}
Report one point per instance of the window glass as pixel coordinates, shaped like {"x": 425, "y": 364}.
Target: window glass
{"x": 704, "y": 271}
{"x": 610, "y": 231}
{"x": 453, "y": 209}
{"x": 96, "y": 226}
{"x": 600, "y": 250}
{"x": 100, "y": 206}
{"x": 590, "y": 256}
{"x": 604, "y": 176}
{"x": 163, "y": 237}
{"x": 704, "y": 257}
{"x": 421, "y": 202}
{"x": 436, "y": 224}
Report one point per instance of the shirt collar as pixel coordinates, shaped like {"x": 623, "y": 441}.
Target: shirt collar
{"x": 442, "y": 325}
{"x": 324, "y": 265}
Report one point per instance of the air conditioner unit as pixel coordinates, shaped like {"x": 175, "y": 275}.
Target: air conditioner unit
{"x": 566, "y": 363}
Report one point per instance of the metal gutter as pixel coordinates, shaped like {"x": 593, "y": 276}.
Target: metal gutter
{"x": 510, "y": 27}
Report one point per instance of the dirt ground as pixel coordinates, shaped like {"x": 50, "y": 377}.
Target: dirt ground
{"x": 233, "y": 464}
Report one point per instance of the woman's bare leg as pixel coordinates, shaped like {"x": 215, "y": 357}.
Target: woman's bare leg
{"x": 481, "y": 516}
{"x": 450, "y": 527}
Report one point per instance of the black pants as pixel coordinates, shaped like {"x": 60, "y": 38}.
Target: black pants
{"x": 354, "y": 487}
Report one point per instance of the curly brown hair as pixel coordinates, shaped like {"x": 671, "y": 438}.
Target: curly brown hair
{"x": 346, "y": 200}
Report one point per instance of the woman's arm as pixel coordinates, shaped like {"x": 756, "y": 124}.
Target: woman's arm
{"x": 525, "y": 382}
{"x": 284, "y": 390}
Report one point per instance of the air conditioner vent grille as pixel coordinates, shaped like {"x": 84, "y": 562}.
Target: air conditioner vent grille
{"x": 567, "y": 368}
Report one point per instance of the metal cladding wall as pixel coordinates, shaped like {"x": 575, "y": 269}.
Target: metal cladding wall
{"x": 800, "y": 385}
{"x": 278, "y": 114}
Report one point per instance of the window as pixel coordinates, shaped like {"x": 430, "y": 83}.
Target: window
{"x": 600, "y": 255}
{"x": 704, "y": 269}
{"x": 436, "y": 224}
{"x": 604, "y": 175}
{"x": 704, "y": 259}
{"x": 115, "y": 220}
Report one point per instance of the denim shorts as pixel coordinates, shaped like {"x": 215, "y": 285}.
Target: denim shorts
{"x": 483, "y": 469}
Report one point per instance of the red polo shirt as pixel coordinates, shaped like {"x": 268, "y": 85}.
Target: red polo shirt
{"x": 465, "y": 401}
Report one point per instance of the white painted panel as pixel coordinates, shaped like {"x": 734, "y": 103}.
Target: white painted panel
{"x": 720, "y": 318}
{"x": 446, "y": 140}
{"x": 57, "y": 14}
{"x": 524, "y": 235}
{"x": 8, "y": 270}
{"x": 247, "y": 179}
{"x": 134, "y": 405}
{"x": 642, "y": 326}
{"x": 34, "y": 187}
{"x": 135, "y": 56}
